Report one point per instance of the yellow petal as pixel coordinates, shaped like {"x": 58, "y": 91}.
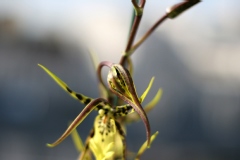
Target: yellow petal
{"x": 154, "y": 101}
{"x": 146, "y": 91}
{"x": 144, "y": 146}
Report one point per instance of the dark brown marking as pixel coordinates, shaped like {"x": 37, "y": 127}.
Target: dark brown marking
{"x": 87, "y": 101}
{"x": 119, "y": 128}
{"x": 92, "y": 133}
{"x": 99, "y": 107}
{"x": 129, "y": 107}
{"x": 79, "y": 96}
{"x": 69, "y": 90}
{"x": 86, "y": 147}
{"x": 105, "y": 110}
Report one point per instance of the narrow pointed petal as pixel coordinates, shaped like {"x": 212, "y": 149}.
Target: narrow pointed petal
{"x": 78, "y": 120}
{"x": 147, "y": 90}
{"x": 77, "y": 141}
{"x": 82, "y": 98}
{"x": 154, "y": 101}
{"x": 133, "y": 117}
{"x": 147, "y": 108}
{"x": 145, "y": 146}
{"x": 138, "y": 108}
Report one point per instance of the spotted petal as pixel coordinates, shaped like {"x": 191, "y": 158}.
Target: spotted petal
{"x": 82, "y": 98}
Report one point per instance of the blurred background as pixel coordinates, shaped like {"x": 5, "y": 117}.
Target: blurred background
{"x": 194, "y": 58}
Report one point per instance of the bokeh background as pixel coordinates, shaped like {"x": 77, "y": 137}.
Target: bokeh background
{"x": 194, "y": 58}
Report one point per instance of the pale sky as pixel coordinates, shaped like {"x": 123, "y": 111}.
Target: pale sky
{"x": 209, "y": 30}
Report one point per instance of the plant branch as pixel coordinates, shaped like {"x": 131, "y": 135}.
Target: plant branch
{"x": 171, "y": 12}
{"x": 137, "y": 19}
{"x": 148, "y": 33}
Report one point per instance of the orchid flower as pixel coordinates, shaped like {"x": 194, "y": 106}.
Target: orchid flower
{"x": 107, "y": 130}
{"x": 119, "y": 103}
{"x": 121, "y": 84}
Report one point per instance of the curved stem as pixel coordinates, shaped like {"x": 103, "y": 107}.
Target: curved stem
{"x": 148, "y": 33}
